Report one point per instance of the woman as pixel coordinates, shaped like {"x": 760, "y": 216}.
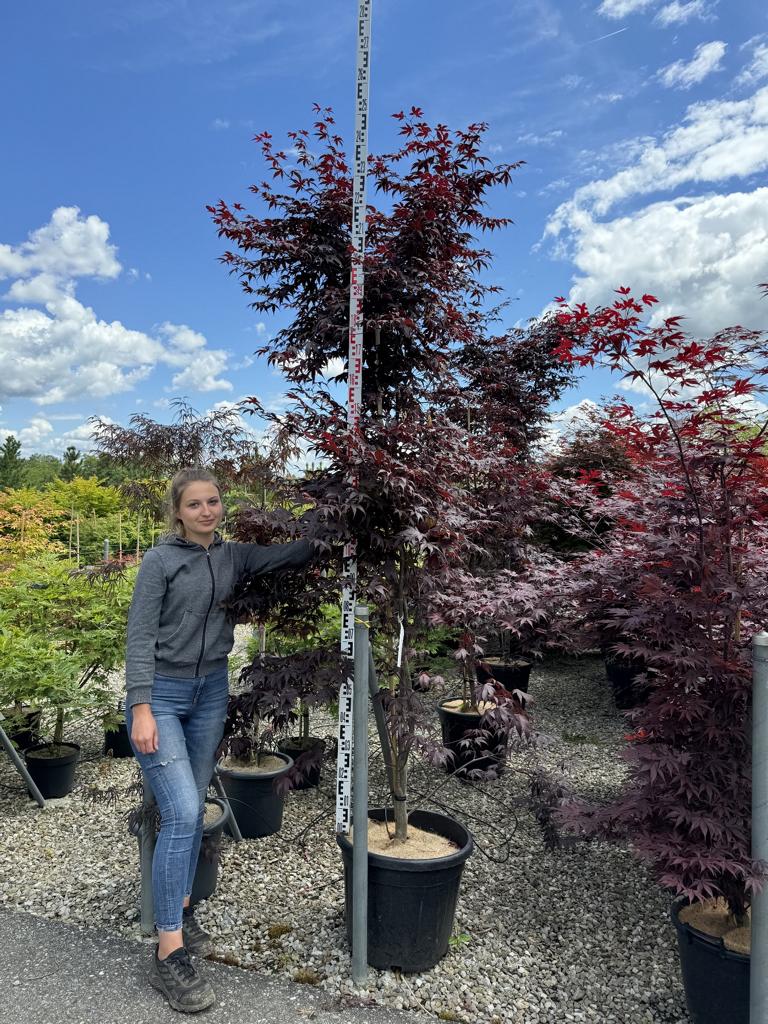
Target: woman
{"x": 176, "y": 679}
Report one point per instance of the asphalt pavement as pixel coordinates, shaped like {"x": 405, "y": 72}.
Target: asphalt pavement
{"x": 52, "y": 972}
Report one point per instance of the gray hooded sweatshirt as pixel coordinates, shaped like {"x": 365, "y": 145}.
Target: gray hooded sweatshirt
{"x": 176, "y": 624}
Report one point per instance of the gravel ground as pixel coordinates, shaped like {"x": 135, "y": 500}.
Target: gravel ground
{"x": 580, "y": 934}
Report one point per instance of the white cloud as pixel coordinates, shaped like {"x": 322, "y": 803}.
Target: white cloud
{"x": 39, "y": 435}
{"x": 718, "y": 140}
{"x": 219, "y": 124}
{"x": 334, "y": 367}
{"x": 68, "y": 246}
{"x": 65, "y": 351}
{"x": 35, "y": 434}
{"x": 545, "y": 139}
{"x": 757, "y": 69}
{"x": 200, "y": 364}
{"x": 701, "y": 254}
{"x": 677, "y": 12}
{"x": 705, "y": 61}
{"x": 620, "y": 8}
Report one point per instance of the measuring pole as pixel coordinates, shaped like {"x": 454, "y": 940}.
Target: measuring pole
{"x": 354, "y": 383}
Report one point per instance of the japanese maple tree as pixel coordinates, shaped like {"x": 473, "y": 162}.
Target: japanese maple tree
{"x": 680, "y": 583}
{"x": 404, "y": 487}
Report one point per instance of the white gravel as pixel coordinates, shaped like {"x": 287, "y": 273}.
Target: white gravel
{"x": 574, "y": 935}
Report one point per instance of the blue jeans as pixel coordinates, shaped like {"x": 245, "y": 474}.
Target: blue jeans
{"x": 190, "y": 716}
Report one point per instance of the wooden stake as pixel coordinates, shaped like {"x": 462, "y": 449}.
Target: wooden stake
{"x": 120, "y": 534}
{"x": 71, "y": 529}
{"x": 138, "y": 534}
{"x": 77, "y": 535}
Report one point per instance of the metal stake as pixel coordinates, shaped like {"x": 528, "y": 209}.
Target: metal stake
{"x": 360, "y": 802}
{"x": 20, "y": 767}
{"x": 758, "y": 966}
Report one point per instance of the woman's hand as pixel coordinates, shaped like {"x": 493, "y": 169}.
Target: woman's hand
{"x": 144, "y": 729}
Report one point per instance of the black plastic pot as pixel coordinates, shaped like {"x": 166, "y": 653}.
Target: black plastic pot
{"x": 622, "y": 675}
{"x": 207, "y": 870}
{"x": 24, "y": 726}
{"x": 411, "y": 903}
{"x": 256, "y": 805}
{"x": 53, "y": 776}
{"x": 715, "y": 979}
{"x": 474, "y": 753}
{"x": 513, "y": 675}
{"x": 117, "y": 741}
{"x": 296, "y": 748}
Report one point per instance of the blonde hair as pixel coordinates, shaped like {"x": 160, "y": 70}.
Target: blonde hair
{"x": 184, "y": 477}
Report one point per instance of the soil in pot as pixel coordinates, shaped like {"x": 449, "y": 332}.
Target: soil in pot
{"x": 53, "y": 768}
{"x": 207, "y": 870}
{"x": 307, "y": 756}
{"x": 257, "y": 803}
{"x": 714, "y": 959}
{"x": 411, "y": 898}
{"x": 485, "y": 753}
{"x": 513, "y": 674}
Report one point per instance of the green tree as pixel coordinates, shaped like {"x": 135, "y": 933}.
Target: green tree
{"x": 40, "y": 470}
{"x": 85, "y": 497}
{"x": 109, "y": 471}
{"x": 71, "y": 463}
{"x": 11, "y": 463}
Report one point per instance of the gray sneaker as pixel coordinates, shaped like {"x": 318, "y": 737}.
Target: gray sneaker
{"x": 179, "y": 981}
{"x": 197, "y": 941}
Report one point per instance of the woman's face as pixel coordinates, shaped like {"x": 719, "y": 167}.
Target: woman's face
{"x": 200, "y": 511}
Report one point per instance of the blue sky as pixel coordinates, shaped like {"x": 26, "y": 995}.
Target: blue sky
{"x": 643, "y": 124}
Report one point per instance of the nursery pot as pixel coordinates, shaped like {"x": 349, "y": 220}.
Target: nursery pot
{"x": 256, "y": 805}
{"x": 207, "y": 870}
{"x": 25, "y": 726}
{"x": 411, "y": 903}
{"x": 294, "y": 747}
{"x": 513, "y": 675}
{"x": 54, "y": 776}
{"x": 117, "y": 741}
{"x": 454, "y": 725}
{"x": 622, "y": 675}
{"x": 715, "y": 979}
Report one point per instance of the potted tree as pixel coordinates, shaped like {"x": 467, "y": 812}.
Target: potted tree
{"x": 401, "y": 486}
{"x": 256, "y": 776}
{"x": 64, "y": 633}
{"x": 250, "y": 769}
{"x": 530, "y": 605}
{"x": 686, "y": 549}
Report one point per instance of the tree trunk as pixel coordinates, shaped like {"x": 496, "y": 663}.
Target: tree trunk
{"x": 58, "y": 731}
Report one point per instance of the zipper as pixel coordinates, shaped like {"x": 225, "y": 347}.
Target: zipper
{"x": 205, "y": 620}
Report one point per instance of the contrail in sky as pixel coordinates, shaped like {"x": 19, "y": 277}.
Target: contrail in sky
{"x": 601, "y": 38}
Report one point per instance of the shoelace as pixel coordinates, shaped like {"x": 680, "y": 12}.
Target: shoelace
{"x": 182, "y": 965}
{"x": 190, "y": 924}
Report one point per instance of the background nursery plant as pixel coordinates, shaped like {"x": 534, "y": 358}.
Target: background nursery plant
{"x": 679, "y": 583}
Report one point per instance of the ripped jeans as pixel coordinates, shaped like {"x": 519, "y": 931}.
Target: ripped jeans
{"x": 190, "y": 717}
